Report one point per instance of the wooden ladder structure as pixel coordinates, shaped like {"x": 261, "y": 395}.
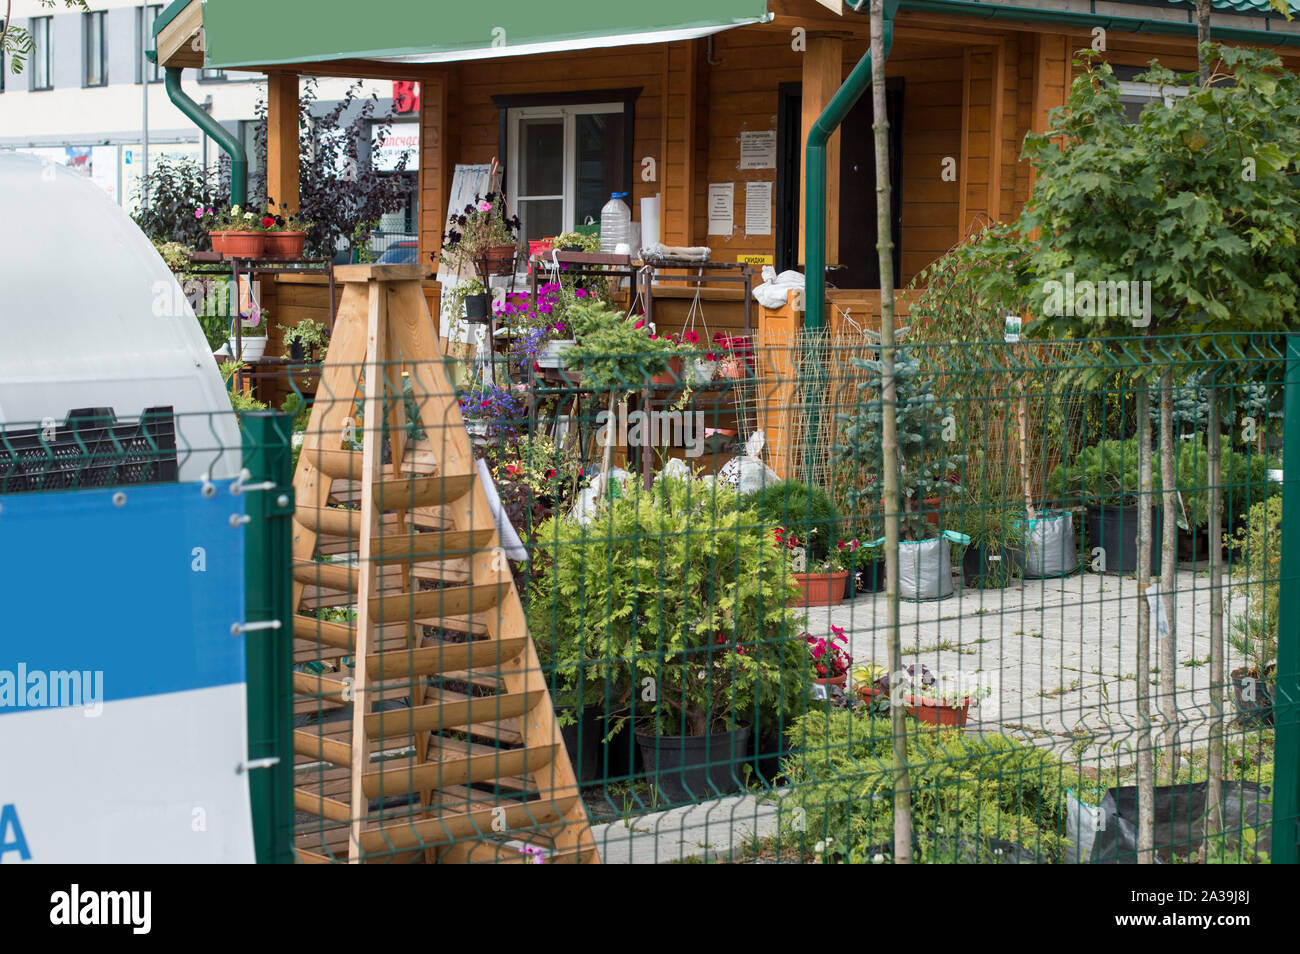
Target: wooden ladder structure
{"x": 423, "y": 726}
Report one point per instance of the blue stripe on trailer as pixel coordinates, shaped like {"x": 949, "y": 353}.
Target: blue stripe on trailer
{"x": 139, "y": 593}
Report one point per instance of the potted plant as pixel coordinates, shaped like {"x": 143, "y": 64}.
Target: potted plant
{"x": 830, "y": 662}
{"x": 235, "y": 232}
{"x": 285, "y": 236}
{"x": 940, "y": 700}
{"x": 992, "y": 559}
{"x": 865, "y": 683}
{"x": 1104, "y": 478}
{"x": 699, "y": 364}
{"x": 865, "y": 562}
{"x": 470, "y": 299}
{"x": 928, "y": 462}
{"x": 483, "y": 236}
{"x": 492, "y": 411}
{"x": 252, "y": 333}
{"x": 822, "y": 581}
{"x": 304, "y": 338}
{"x": 697, "y": 660}
{"x": 1254, "y": 632}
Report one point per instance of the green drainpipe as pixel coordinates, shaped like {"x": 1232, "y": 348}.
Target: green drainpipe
{"x": 229, "y": 144}
{"x": 845, "y": 97}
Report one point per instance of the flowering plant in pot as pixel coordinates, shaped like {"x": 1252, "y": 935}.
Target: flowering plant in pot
{"x": 483, "y": 236}
{"x": 285, "y": 235}
{"x": 829, "y": 658}
{"x": 234, "y": 231}
{"x": 490, "y": 410}
{"x": 821, "y": 579}
{"x": 695, "y": 659}
{"x": 942, "y": 699}
{"x": 252, "y": 333}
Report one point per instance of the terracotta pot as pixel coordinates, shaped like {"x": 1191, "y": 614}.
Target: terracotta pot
{"x": 935, "y": 711}
{"x": 870, "y": 693}
{"x": 238, "y": 244}
{"x": 672, "y": 375}
{"x": 732, "y": 368}
{"x": 822, "y": 589}
{"x": 499, "y": 260}
{"x": 929, "y": 507}
{"x": 839, "y": 680}
{"x": 287, "y": 245}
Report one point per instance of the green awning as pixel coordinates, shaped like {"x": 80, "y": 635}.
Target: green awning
{"x": 249, "y": 33}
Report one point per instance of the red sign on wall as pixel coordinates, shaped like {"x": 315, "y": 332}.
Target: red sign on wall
{"x": 406, "y": 97}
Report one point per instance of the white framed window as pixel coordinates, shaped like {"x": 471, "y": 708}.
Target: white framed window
{"x": 145, "y": 71}
{"x": 563, "y": 162}
{"x": 1135, "y": 96}
{"x": 42, "y": 60}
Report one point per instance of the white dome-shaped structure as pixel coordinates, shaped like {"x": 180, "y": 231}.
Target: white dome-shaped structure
{"x": 93, "y": 317}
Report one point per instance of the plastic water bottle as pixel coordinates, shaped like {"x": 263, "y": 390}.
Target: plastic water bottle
{"x": 615, "y": 223}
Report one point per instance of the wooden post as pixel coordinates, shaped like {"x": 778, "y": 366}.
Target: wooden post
{"x": 996, "y": 111}
{"x": 435, "y": 165}
{"x": 823, "y": 73}
{"x": 282, "y": 140}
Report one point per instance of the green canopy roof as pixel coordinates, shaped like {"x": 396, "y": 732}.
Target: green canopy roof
{"x": 266, "y": 32}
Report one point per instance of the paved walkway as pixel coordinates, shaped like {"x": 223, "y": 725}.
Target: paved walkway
{"x": 1059, "y": 655}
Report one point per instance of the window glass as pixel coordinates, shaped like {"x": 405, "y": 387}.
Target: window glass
{"x": 94, "y": 42}
{"x": 599, "y": 162}
{"x": 41, "y": 53}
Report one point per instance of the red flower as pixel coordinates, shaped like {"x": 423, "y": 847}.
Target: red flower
{"x": 268, "y": 221}
{"x": 692, "y": 336}
{"x": 514, "y": 470}
{"x": 551, "y": 472}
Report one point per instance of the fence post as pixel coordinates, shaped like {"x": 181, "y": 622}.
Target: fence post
{"x": 268, "y": 653}
{"x": 1286, "y": 705}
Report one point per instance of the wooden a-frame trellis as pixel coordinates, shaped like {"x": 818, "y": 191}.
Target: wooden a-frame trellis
{"x": 456, "y": 755}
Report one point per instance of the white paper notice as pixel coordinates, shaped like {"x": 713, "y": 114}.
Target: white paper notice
{"x": 758, "y": 208}
{"x": 758, "y": 150}
{"x": 722, "y": 208}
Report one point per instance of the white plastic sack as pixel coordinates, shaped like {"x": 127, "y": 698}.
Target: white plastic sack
{"x": 747, "y": 472}
{"x": 924, "y": 569}
{"x": 510, "y": 541}
{"x": 774, "y": 292}
{"x": 1082, "y": 822}
{"x": 584, "y": 508}
{"x": 1050, "y": 548}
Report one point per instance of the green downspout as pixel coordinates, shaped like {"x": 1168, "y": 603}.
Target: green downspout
{"x": 225, "y": 139}
{"x": 845, "y": 97}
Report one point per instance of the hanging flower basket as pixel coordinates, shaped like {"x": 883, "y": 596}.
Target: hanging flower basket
{"x": 499, "y": 260}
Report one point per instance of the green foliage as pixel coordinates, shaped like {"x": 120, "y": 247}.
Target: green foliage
{"x": 174, "y": 191}
{"x": 965, "y": 294}
{"x": 807, "y": 511}
{"x": 239, "y": 401}
{"x": 310, "y": 334}
{"x": 1107, "y": 472}
{"x": 616, "y": 353}
{"x": 1259, "y": 543}
{"x": 679, "y": 586}
{"x": 928, "y": 455}
{"x": 967, "y": 791}
{"x": 1198, "y": 198}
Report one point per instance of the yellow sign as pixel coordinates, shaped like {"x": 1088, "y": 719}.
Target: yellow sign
{"x": 754, "y": 259}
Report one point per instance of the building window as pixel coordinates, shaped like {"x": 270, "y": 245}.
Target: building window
{"x": 95, "y": 49}
{"x": 212, "y": 76}
{"x": 144, "y": 69}
{"x": 1135, "y": 96}
{"x": 42, "y": 74}
{"x": 563, "y": 163}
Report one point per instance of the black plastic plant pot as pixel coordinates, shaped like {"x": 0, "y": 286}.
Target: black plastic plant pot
{"x": 1114, "y": 529}
{"x": 476, "y": 307}
{"x": 865, "y": 579}
{"x": 989, "y": 568}
{"x": 297, "y": 352}
{"x": 595, "y": 759}
{"x": 1254, "y": 698}
{"x": 692, "y": 768}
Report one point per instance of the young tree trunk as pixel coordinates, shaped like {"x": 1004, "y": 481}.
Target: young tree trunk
{"x": 1022, "y": 422}
{"x": 889, "y": 435}
{"x": 1168, "y": 578}
{"x": 1214, "y": 781}
{"x": 1214, "y": 784}
{"x": 1145, "y": 761}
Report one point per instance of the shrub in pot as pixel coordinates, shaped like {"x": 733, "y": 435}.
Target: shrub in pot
{"x": 927, "y": 467}
{"x": 992, "y": 558}
{"x": 1254, "y": 631}
{"x": 304, "y": 338}
{"x": 697, "y": 657}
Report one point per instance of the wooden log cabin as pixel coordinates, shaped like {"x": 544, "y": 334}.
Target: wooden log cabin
{"x": 707, "y": 104}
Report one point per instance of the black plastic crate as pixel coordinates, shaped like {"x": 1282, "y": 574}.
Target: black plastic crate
{"x": 90, "y": 449}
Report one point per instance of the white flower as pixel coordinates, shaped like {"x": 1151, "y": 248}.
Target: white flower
{"x": 877, "y": 859}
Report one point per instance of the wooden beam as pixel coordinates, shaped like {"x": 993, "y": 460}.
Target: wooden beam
{"x": 179, "y": 43}
{"x": 997, "y": 105}
{"x": 282, "y": 141}
{"x": 963, "y": 169}
{"x": 823, "y": 73}
{"x": 435, "y": 163}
